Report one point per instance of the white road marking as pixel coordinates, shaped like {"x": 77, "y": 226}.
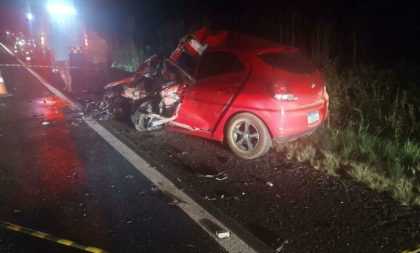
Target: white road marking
{"x": 187, "y": 204}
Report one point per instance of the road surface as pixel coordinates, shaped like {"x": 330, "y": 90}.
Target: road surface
{"x": 58, "y": 176}
{"x": 99, "y": 199}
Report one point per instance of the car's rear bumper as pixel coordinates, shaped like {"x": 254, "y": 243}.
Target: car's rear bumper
{"x": 291, "y": 122}
{"x": 296, "y": 136}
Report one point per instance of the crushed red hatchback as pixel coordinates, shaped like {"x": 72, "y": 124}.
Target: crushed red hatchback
{"x": 241, "y": 90}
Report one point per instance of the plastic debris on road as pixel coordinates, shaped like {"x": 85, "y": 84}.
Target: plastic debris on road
{"x": 45, "y": 123}
{"x": 282, "y": 246}
{"x": 209, "y": 197}
{"x": 223, "y": 234}
{"x": 221, "y": 177}
{"x": 218, "y": 175}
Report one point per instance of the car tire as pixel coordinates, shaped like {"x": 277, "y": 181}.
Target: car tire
{"x": 140, "y": 121}
{"x": 247, "y": 136}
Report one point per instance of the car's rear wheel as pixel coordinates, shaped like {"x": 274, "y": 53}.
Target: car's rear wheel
{"x": 247, "y": 136}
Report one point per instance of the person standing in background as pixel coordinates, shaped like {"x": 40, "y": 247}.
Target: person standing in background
{"x": 100, "y": 51}
{"x": 63, "y": 34}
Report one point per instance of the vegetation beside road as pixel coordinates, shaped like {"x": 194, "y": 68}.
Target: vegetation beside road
{"x": 373, "y": 130}
{"x": 372, "y": 133}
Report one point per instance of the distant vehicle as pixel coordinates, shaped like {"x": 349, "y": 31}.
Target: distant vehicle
{"x": 238, "y": 89}
{"x": 24, "y": 48}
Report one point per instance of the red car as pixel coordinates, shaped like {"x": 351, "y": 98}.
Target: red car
{"x": 244, "y": 91}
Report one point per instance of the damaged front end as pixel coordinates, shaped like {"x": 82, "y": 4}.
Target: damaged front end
{"x": 156, "y": 89}
{"x": 159, "y": 110}
{"x": 155, "y": 112}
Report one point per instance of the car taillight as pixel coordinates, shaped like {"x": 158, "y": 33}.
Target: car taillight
{"x": 281, "y": 92}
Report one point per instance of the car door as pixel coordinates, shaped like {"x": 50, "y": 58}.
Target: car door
{"x": 219, "y": 75}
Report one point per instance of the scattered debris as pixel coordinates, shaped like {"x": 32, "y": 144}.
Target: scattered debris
{"x": 222, "y": 234}
{"x": 129, "y": 221}
{"x": 78, "y": 114}
{"x": 219, "y": 195}
{"x": 110, "y": 105}
{"x": 129, "y": 177}
{"x": 184, "y": 153}
{"x": 16, "y": 211}
{"x": 209, "y": 197}
{"x": 269, "y": 183}
{"x": 142, "y": 193}
{"x": 282, "y": 246}
{"x": 174, "y": 201}
{"x": 220, "y": 174}
{"x": 45, "y": 123}
{"x": 221, "y": 177}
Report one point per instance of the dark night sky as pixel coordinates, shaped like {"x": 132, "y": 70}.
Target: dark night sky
{"x": 384, "y": 29}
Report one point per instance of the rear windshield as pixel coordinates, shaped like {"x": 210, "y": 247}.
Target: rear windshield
{"x": 289, "y": 61}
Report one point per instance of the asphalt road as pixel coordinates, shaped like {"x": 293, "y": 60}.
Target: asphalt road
{"x": 97, "y": 198}
{"x": 59, "y": 177}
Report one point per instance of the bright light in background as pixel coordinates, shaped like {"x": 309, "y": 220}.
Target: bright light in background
{"x": 86, "y": 40}
{"x": 42, "y": 39}
{"x": 29, "y": 16}
{"x": 60, "y": 9}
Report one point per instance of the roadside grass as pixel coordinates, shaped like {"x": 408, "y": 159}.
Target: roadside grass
{"x": 372, "y": 133}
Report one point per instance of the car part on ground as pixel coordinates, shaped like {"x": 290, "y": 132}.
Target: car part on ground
{"x": 108, "y": 106}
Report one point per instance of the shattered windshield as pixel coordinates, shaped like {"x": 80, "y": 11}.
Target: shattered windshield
{"x": 187, "y": 62}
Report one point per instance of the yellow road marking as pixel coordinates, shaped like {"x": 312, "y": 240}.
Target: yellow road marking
{"x": 414, "y": 250}
{"x": 94, "y": 250}
{"x": 36, "y": 66}
{"x": 65, "y": 242}
{"x": 39, "y": 234}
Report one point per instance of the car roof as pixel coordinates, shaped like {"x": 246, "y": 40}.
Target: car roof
{"x": 231, "y": 39}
